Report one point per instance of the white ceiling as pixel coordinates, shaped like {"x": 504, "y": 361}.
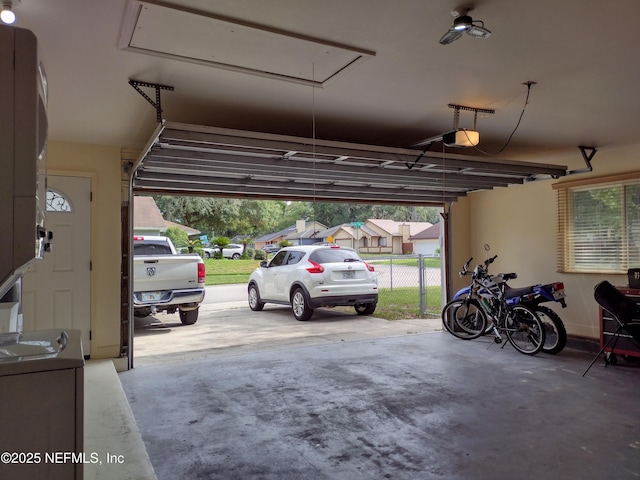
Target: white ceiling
{"x": 583, "y": 54}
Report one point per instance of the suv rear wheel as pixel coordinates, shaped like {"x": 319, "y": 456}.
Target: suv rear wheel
{"x": 299, "y": 305}
{"x": 365, "y": 308}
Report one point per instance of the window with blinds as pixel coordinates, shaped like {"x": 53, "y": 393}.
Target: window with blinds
{"x": 599, "y": 225}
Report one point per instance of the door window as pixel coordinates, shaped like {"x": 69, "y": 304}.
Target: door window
{"x": 58, "y": 202}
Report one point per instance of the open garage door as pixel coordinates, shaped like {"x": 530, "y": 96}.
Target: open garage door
{"x": 183, "y": 159}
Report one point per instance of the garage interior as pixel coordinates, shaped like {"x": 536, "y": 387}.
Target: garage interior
{"x": 350, "y": 102}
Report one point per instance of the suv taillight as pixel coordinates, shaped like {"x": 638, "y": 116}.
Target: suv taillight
{"x": 315, "y": 267}
{"x": 369, "y": 267}
{"x": 201, "y": 273}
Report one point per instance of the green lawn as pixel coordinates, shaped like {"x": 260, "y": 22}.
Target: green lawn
{"x": 399, "y": 303}
{"x": 410, "y": 261}
{"x": 224, "y": 271}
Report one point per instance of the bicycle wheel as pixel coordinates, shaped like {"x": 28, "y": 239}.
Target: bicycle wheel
{"x": 464, "y": 319}
{"x": 524, "y": 330}
{"x": 555, "y": 335}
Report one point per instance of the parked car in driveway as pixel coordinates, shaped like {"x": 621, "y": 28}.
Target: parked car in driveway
{"x": 233, "y": 251}
{"x": 271, "y": 248}
{"x": 312, "y": 276}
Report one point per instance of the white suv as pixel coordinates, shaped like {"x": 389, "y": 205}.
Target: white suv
{"x": 311, "y": 276}
{"x": 232, "y": 251}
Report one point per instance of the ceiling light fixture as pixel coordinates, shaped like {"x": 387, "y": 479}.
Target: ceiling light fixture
{"x": 462, "y": 22}
{"x": 7, "y": 15}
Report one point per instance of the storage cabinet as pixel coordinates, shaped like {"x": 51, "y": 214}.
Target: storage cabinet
{"x": 625, "y": 345}
{"x": 42, "y": 407}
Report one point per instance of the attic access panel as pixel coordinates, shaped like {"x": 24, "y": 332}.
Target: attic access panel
{"x": 183, "y": 159}
{"x": 186, "y": 34}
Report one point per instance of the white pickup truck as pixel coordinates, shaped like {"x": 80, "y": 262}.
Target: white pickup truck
{"x": 164, "y": 280}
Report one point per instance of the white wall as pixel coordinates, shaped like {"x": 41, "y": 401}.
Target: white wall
{"x": 520, "y": 224}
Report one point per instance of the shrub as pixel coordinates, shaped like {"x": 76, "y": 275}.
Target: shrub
{"x": 178, "y": 237}
{"x": 260, "y": 255}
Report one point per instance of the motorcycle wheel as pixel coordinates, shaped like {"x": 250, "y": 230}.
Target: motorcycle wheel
{"x": 555, "y": 334}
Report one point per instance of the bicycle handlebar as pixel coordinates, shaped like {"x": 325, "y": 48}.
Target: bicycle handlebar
{"x": 465, "y": 268}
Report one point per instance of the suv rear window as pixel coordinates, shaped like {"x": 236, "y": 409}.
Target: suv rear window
{"x": 334, "y": 255}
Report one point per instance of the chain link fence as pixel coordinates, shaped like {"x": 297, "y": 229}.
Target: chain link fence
{"x": 408, "y": 286}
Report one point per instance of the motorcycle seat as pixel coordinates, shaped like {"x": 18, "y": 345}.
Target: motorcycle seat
{"x": 517, "y": 292}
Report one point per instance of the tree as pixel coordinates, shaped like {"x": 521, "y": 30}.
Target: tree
{"x": 177, "y": 236}
{"x": 204, "y": 214}
{"x": 221, "y": 242}
{"x": 245, "y": 242}
{"x": 181, "y": 240}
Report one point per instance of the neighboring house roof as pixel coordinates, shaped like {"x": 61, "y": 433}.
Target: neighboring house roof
{"x": 272, "y": 236}
{"x": 433, "y": 232}
{"x": 368, "y": 231}
{"x": 332, "y": 231}
{"x": 393, "y": 227}
{"x": 190, "y": 231}
{"x": 285, "y": 232}
{"x": 309, "y": 233}
{"x": 146, "y": 214}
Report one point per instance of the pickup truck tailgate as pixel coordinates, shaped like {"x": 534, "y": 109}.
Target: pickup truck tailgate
{"x": 165, "y": 272}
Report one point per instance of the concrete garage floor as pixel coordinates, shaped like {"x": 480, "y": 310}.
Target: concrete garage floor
{"x": 399, "y": 406}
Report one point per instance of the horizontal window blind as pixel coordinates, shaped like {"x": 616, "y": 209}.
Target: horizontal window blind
{"x": 598, "y": 226}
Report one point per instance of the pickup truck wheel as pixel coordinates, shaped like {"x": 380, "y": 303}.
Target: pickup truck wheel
{"x": 254, "y": 299}
{"x": 299, "y": 305}
{"x": 189, "y": 317}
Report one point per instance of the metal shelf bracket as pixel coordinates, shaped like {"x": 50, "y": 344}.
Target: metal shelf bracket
{"x": 157, "y": 103}
{"x": 587, "y": 159}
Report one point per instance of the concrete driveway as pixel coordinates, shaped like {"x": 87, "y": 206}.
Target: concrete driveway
{"x": 227, "y": 326}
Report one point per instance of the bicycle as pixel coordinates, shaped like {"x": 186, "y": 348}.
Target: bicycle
{"x": 468, "y": 318}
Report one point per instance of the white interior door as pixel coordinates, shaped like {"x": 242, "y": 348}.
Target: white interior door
{"x": 56, "y": 290}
